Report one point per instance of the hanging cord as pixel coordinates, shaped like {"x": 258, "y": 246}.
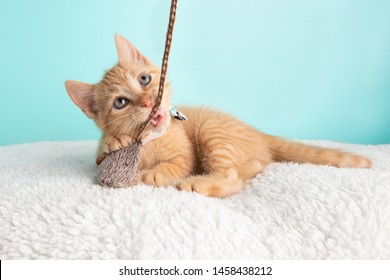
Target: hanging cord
{"x": 164, "y": 68}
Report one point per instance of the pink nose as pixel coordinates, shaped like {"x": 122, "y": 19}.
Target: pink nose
{"x": 146, "y": 102}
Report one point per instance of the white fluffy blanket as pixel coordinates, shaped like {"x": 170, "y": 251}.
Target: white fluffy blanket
{"x": 52, "y": 208}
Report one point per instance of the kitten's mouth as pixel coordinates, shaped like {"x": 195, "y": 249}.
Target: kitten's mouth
{"x": 157, "y": 119}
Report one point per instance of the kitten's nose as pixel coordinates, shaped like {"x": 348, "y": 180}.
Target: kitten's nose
{"x": 146, "y": 102}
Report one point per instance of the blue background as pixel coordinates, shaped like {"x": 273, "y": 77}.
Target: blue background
{"x": 304, "y": 69}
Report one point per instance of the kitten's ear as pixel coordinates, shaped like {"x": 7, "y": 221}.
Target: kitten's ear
{"x": 82, "y": 94}
{"x": 127, "y": 52}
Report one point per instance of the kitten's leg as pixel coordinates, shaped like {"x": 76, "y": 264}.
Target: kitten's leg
{"x": 110, "y": 144}
{"x": 165, "y": 173}
{"x": 224, "y": 180}
{"x": 227, "y": 173}
{"x": 219, "y": 184}
{"x": 167, "y": 159}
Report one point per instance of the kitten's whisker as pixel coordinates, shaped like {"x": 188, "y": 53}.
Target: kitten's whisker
{"x": 132, "y": 129}
{"x": 127, "y": 122}
{"x": 116, "y": 119}
{"x": 133, "y": 124}
{"x": 116, "y": 131}
{"x": 134, "y": 116}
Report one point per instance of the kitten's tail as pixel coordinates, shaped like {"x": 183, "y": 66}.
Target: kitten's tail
{"x": 283, "y": 150}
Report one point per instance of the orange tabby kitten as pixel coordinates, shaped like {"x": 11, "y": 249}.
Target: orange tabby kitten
{"x": 211, "y": 153}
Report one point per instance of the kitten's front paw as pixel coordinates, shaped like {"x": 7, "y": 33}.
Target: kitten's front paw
{"x": 111, "y": 144}
{"x": 153, "y": 178}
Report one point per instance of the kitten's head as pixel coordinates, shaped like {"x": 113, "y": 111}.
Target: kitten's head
{"x": 123, "y": 99}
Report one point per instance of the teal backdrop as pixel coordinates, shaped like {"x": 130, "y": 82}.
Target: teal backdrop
{"x": 303, "y": 69}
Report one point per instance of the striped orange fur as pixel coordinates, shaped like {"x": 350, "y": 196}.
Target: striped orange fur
{"x": 211, "y": 153}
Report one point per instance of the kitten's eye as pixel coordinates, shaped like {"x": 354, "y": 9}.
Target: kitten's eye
{"x": 121, "y": 102}
{"x": 144, "y": 79}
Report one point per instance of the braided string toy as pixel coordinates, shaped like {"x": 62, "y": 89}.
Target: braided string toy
{"x": 119, "y": 168}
